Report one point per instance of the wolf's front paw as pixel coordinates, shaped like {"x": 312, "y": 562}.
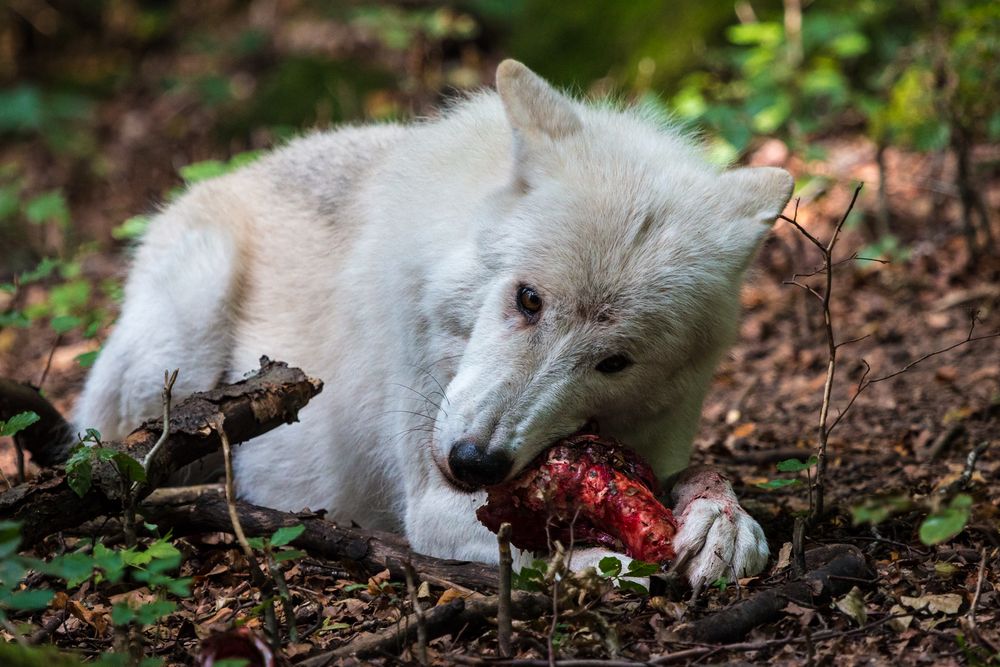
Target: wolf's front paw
{"x": 717, "y": 538}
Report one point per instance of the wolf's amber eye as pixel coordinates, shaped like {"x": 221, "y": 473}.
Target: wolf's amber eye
{"x": 528, "y": 301}
{"x": 614, "y": 364}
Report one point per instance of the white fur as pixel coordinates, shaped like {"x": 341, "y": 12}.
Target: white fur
{"x": 385, "y": 260}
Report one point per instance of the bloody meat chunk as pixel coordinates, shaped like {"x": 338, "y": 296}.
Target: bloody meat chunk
{"x": 590, "y": 489}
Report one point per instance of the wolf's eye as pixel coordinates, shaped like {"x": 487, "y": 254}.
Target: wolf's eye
{"x": 528, "y": 301}
{"x": 614, "y": 364}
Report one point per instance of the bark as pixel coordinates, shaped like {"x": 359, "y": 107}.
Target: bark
{"x": 245, "y": 409}
{"x": 205, "y": 510}
{"x": 834, "y": 569}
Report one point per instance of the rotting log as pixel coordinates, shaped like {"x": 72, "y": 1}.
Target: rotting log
{"x": 832, "y": 571}
{"x": 205, "y": 510}
{"x": 245, "y": 409}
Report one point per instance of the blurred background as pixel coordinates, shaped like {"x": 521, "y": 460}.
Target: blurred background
{"x": 108, "y": 107}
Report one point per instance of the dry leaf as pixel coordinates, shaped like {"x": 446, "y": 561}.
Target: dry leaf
{"x": 853, "y": 605}
{"x": 903, "y": 622}
{"x": 784, "y": 557}
{"x": 945, "y": 603}
{"x": 449, "y": 595}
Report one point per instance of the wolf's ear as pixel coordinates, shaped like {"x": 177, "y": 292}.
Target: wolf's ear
{"x": 756, "y": 196}
{"x": 534, "y": 108}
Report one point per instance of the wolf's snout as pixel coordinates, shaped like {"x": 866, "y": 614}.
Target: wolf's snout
{"x": 477, "y": 467}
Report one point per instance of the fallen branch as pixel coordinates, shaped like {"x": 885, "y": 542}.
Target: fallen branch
{"x": 834, "y": 569}
{"x": 439, "y": 621}
{"x": 204, "y": 509}
{"x": 271, "y": 397}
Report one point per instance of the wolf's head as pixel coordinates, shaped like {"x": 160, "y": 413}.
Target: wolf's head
{"x": 615, "y": 256}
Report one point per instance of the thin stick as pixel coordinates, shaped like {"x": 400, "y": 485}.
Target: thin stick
{"x": 970, "y": 467}
{"x": 48, "y": 362}
{"x": 418, "y": 611}
{"x": 168, "y": 385}
{"x": 504, "y": 624}
{"x": 256, "y": 575}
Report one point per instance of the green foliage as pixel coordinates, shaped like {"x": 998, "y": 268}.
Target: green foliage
{"x": 876, "y": 510}
{"x": 610, "y": 567}
{"x": 947, "y": 522}
{"x": 795, "y": 465}
{"x": 912, "y": 76}
{"x": 789, "y": 465}
{"x": 941, "y": 524}
{"x": 79, "y": 466}
{"x": 531, "y": 578}
{"x": 18, "y": 423}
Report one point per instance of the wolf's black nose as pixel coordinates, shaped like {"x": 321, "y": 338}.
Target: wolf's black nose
{"x": 476, "y": 467}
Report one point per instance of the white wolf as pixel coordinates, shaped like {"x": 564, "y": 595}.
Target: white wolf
{"x": 471, "y": 289}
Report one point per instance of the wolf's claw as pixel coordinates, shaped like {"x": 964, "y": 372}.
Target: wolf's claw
{"x": 717, "y": 538}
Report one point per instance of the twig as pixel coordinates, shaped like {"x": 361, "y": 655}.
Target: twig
{"x": 256, "y": 574}
{"x": 970, "y": 617}
{"x": 48, "y": 361}
{"x": 168, "y": 386}
{"x": 418, "y": 612}
{"x": 864, "y": 382}
{"x": 504, "y": 624}
{"x": 970, "y": 467}
{"x": 449, "y": 618}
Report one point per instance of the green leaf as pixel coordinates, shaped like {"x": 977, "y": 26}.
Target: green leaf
{"x": 637, "y": 568}
{"x": 18, "y": 423}
{"x": 609, "y": 566}
{"x": 946, "y": 523}
{"x": 759, "y": 32}
{"x": 122, "y": 614}
{"x": 201, "y": 171}
{"x": 627, "y": 585}
{"x": 162, "y": 549}
{"x": 87, "y": 359}
{"x": 290, "y": 554}
{"x": 80, "y": 477}
{"x": 287, "y": 534}
{"x": 256, "y": 543}
{"x": 151, "y": 612}
{"x": 878, "y": 509}
{"x": 720, "y": 583}
{"x": 29, "y": 599}
{"x": 528, "y": 579}
{"x": 74, "y": 568}
{"x": 48, "y": 207}
{"x": 14, "y": 319}
{"x": 772, "y": 484}
{"x": 131, "y": 229}
{"x": 10, "y": 538}
{"x": 233, "y": 662}
{"x": 65, "y": 323}
{"x": 794, "y": 465}
{"x": 40, "y": 272}
{"x": 129, "y": 468}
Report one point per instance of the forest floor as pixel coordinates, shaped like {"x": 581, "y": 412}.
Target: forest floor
{"x": 908, "y": 436}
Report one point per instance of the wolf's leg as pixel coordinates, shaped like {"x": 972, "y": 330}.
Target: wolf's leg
{"x": 178, "y": 300}
{"x": 716, "y": 537}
